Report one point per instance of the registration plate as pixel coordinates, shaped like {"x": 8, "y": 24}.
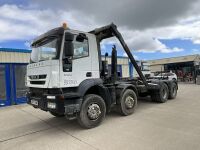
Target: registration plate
{"x": 34, "y": 102}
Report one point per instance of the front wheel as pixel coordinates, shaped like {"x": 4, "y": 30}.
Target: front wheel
{"x": 128, "y": 102}
{"x": 92, "y": 111}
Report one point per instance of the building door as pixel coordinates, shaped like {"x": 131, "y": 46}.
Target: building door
{"x": 18, "y": 83}
{"x": 5, "y": 98}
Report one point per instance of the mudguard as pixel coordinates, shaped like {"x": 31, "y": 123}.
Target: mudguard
{"x": 97, "y": 85}
{"x": 122, "y": 87}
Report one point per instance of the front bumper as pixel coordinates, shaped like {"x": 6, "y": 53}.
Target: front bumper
{"x": 42, "y": 102}
{"x": 58, "y": 103}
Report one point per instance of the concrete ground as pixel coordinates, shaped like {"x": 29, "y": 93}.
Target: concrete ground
{"x": 173, "y": 125}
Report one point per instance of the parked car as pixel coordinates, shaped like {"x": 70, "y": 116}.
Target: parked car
{"x": 168, "y": 76}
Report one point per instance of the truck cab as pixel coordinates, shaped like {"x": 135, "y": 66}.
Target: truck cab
{"x": 67, "y": 77}
{"x": 50, "y": 67}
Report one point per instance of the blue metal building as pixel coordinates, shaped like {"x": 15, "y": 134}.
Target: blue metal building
{"x": 12, "y": 75}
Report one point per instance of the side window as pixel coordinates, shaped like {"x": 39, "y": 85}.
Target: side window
{"x": 81, "y": 49}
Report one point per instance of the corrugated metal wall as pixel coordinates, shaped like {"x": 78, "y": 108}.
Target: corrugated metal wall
{"x": 158, "y": 65}
{"x": 14, "y": 57}
{"x": 174, "y": 60}
{"x": 157, "y": 68}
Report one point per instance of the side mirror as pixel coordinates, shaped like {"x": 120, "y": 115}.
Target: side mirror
{"x": 68, "y": 45}
{"x": 68, "y": 49}
{"x": 69, "y": 36}
{"x": 81, "y": 37}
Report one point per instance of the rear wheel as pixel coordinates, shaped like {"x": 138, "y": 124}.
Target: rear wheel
{"x": 128, "y": 102}
{"x": 56, "y": 114}
{"x": 92, "y": 111}
{"x": 162, "y": 95}
{"x": 173, "y": 91}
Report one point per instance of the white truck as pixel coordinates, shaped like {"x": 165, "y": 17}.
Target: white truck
{"x": 67, "y": 77}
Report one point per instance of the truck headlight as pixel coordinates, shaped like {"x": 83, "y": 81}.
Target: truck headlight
{"x": 51, "y": 105}
{"x": 51, "y": 97}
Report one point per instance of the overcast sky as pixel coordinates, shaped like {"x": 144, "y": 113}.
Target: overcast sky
{"x": 151, "y": 28}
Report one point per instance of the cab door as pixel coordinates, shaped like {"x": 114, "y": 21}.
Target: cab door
{"x": 80, "y": 64}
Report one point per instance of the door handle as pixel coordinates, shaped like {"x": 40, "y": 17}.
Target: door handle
{"x": 88, "y": 74}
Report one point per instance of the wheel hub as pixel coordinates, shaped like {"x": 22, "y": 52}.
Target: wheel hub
{"x": 94, "y": 111}
{"x": 174, "y": 91}
{"x": 129, "y": 102}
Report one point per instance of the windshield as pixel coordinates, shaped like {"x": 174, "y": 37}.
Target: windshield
{"x": 45, "y": 50}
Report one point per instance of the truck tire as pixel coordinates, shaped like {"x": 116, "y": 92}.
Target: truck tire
{"x": 173, "y": 91}
{"x": 56, "y": 114}
{"x": 162, "y": 95}
{"x": 128, "y": 102}
{"x": 92, "y": 111}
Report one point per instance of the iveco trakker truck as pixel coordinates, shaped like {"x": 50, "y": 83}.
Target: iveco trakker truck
{"x": 67, "y": 77}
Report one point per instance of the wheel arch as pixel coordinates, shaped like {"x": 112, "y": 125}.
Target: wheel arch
{"x": 120, "y": 89}
{"x": 95, "y": 86}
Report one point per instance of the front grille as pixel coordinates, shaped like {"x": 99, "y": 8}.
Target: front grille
{"x": 42, "y": 76}
{"x": 37, "y": 82}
